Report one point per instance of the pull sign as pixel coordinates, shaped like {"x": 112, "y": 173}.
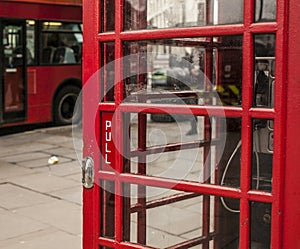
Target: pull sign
{"x": 88, "y": 172}
{"x": 107, "y": 146}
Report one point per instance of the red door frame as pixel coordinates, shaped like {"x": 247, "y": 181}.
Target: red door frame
{"x": 286, "y": 185}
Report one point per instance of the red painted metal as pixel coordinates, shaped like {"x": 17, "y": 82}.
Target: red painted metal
{"x": 91, "y": 197}
{"x": 284, "y": 197}
{"x": 43, "y": 11}
{"x": 287, "y": 168}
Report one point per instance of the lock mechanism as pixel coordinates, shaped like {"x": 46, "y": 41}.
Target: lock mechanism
{"x": 88, "y": 172}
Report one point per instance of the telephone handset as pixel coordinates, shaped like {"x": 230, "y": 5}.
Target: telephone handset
{"x": 264, "y": 82}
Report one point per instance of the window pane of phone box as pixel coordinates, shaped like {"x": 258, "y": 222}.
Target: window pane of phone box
{"x": 107, "y": 15}
{"x": 264, "y": 70}
{"x": 265, "y": 11}
{"x": 262, "y": 156}
{"x": 200, "y": 71}
{"x": 163, "y": 218}
{"x": 183, "y": 147}
{"x": 261, "y": 214}
{"x": 159, "y": 14}
{"x": 107, "y": 72}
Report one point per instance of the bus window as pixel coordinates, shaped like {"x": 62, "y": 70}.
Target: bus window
{"x": 61, "y": 43}
{"x": 30, "y": 42}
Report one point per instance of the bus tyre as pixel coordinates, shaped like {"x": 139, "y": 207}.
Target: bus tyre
{"x": 64, "y": 106}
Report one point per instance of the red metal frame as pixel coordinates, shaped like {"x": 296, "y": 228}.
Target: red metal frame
{"x": 285, "y": 173}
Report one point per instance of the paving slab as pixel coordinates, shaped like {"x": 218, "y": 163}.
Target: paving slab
{"x": 73, "y": 194}
{"x": 75, "y": 177}
{"x": 26, "y": 148}
{"x": 60, "y": 214}
{"x": 55, "y": 140}
{"x": 63, "y": 169}
{"x": 9, "y": 170}
{"x": 45, "y": 239}
{"x": 20, "y": 138}
{"x": 24, "y": 157}
{"x": 43, "y": 182}
{"x": 41, "y": 162}
{"x": 61, "y": 151}
{"x": 13, "y": 197}
{"x": 14, "y": 225}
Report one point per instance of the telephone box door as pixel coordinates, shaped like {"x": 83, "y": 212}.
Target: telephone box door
{"x": 184, "y": 124}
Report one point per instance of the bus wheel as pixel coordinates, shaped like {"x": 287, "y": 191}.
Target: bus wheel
{"x": 64, "y": 106}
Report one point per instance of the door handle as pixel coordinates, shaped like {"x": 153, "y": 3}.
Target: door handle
{"x": 88, "y": 172}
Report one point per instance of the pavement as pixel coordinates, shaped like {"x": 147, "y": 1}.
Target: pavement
{"x": 41, "y": 203}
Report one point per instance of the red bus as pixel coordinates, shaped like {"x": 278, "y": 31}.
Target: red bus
{"x": 40, "y": 66}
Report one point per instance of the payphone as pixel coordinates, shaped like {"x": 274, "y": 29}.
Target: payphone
{"x": 262, "y": 155}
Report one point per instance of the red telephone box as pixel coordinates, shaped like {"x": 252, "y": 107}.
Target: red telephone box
{"x": 190, "y": 129}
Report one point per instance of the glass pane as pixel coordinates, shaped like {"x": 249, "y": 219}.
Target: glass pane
{"x": 61, "y": 26}
{"x": 107, "y": 212}
{"x": 107, "y": 15}
{"x": 183, "y": 147}
{"x": 61, "y": 43}
{"x": 107, "y": 71}
{"x": 261, "y": 214}
{"x": 264, "y": 74}
{"x": 204, "y": 70}
{"x": 30, "y": 42}
{"x": 263, "y": 144}
{"x": 13, "y": 68}
{"x": 265, "y": 11}
{"x": 159, "y": 14}
{"x": 162, "y": 218}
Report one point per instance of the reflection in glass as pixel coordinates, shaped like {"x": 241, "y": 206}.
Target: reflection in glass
{"x": 168, "y": 149}
{"x": 159, "y": 14}
{"x": 265, "y": 10}
{"x": 30, "y": 42}
{"x": 107, "y": 15}
{"x": 261, "y": 214}
{"x": 264, "y": 79}
{"x": 107, "y": 197}
{"x": 204, "y": 70}
{"x": 231, "y": 156}
{"x": 108, "y": 71}
{"x": 162, "y": 218}
{"x": 263, "y": 144}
